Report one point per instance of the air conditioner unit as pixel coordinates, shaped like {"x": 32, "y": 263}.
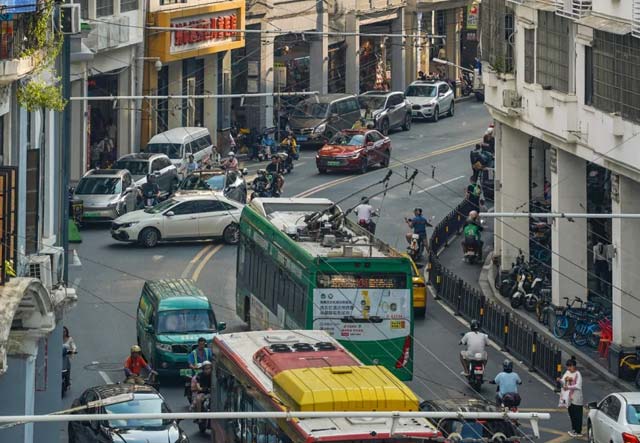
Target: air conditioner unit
{"x": 511, "y": 99}
{"x": 39, "y": 266}
{"x": 70, "y": 18}
{"x": 56, "y": 255}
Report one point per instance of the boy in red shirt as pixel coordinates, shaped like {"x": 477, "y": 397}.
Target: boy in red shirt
{"x": 133, "y": 364}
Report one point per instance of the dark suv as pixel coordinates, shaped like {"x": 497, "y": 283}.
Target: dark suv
{"x": 387, "y": 110}
{"x": 159, "y": 165}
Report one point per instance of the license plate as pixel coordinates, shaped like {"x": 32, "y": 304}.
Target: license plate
{"x": 333, "y": 163}
{"x": 91, "y": 214}
{"x": 186, "y": 372}
{"x": 397, "y": 324}
{"x": 302, "y": 138}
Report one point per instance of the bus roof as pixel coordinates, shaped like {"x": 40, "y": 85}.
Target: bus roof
{"x": 308, "y": 370}
{"x": 344, "y": 239}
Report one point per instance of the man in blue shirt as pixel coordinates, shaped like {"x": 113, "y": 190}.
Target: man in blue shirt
{"x": 419, "y": 225}
{"x": 200, "y": 354}
{"x": 507, "y": 382}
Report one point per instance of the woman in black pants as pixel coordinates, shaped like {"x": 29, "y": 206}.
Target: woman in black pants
{"x": 571, "y": 382}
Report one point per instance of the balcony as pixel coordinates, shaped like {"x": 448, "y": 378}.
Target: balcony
{"x": 636, "y": 18}
{"x": 13, "y": 44}
{"x": 573, "y": 9}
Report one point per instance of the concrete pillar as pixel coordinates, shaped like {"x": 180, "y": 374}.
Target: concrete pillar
{"x": 78, "y": 128}
{"x": 124, "y": 142}
{"x": 211, "y": 84}
{"x": 625, "y": 276}
{"x": 224, "y": 120}
{"x": 537, "y": 170}
{"x": 411, "y": 63}
{"x": 512, "y": 175}
{"x": 352, "y": 56}
{"x": 267, "y": 80}
{"x": 452, "y": 46}
{"x": 319, "y": 52}
{"x": 149, "y": 114}
{"x": 175, "y": 88}
{"x": 398, "y": 53}
{"x": 568, "y": 238}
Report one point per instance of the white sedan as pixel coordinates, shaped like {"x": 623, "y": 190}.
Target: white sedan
{"x": 616, "y": 419}
{"x": 198, "y": 215}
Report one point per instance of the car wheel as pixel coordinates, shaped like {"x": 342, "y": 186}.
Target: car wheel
{"x": 407, "y": 123}
{"x": 384, "y": 127}
{"x": 590, "y": 437}
{"x": 386, "y": 158}
{"x": 364, "y": 166}
{"x": 149, "y": 237}
{"x": 322, "y": 170}
{"x": 451, "y": 109}
{"x": 231, "y": 234}
{"x": 436, "y": 114}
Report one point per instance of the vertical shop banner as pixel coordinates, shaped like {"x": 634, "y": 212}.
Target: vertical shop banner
{"x": 473, "y": 11}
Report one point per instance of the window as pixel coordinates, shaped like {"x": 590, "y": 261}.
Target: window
{"x": 442, "y": 89}
{"x": 186, "y": 208}
{"x": 33, "y": 201}
{"x": 343, "y": 107}
{"x": 210, "y": 206}
{"x": 613, "y": 409}
{"x": 529, "y": 55}
{"x": 496, "y": 21}
{"x": 128, "y": 5}
{"x": 588, "y": 75}
{"x": 552, "y": 51}
{"x": 616, "y": 69}
{"x": 104, "y": 7}
{"x": 375, "y": 136}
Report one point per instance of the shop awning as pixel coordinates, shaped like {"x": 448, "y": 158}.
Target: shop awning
{"x": 605, "y": 24}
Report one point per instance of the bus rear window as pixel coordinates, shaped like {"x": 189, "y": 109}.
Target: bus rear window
{"x": 355, "y": 281}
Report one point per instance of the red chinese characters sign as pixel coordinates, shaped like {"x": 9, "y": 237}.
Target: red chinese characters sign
{"x": 213, "y": 31}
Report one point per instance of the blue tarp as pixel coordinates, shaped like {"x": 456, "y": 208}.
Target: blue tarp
{"x": 17, "y": 6}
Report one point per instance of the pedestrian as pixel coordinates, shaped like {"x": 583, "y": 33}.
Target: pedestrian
{"x": 476, "y": 161}
{"x": 571, "y": 396}
{"x": 473, "y": 193}
{"x": 601, "y": 266}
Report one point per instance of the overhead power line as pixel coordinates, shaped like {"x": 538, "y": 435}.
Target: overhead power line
{"x": 191, "y": 96}
{"x": 556, "y": 215}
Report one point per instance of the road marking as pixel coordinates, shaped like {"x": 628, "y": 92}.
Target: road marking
{"x": 446, "y": 182}
{"x": 205, "y": 260}
{"x": 194, "y": 260}
{"x": 75, "y": 259}
{"x": 103, "y": 374}
{"x": 157, "y": 257}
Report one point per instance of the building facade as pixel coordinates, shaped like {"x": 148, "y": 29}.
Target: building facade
{"x": 561, "y": 82}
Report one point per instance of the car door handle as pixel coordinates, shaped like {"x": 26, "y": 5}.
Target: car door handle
{"x": 193, "y": 218}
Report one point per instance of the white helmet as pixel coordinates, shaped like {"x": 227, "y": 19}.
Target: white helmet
{"x": 232, "y": 154}
{"x": 206, "y": 363}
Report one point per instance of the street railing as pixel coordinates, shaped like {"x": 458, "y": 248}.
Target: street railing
{"x": 508, "y": 329}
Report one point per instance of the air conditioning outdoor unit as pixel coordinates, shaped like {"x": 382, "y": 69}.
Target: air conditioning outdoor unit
{"x": 39, "y": 266}
{"x": 511, "y": 99}
{"x": 70, "y": 18}
{"x": 56, "y": 255}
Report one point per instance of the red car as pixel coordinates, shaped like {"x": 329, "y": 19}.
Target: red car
{"x": 354, "y": 150}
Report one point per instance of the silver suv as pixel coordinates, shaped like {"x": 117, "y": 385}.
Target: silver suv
{"x": 430, "y": 99}
{"x": 159, "y": 165}
{"x": 106, "y": 194}
{"x": 388, "y": 110}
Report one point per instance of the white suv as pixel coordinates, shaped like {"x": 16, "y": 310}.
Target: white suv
{"x": 430, "y": 99}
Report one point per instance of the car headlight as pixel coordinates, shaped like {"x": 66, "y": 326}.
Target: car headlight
{"x": 128, "y": 225}
{"x": 163, "y": 347}
{"x": 354, "y": 155}
{"x": 320, "y": 128}
{"x": 428, "y": 105}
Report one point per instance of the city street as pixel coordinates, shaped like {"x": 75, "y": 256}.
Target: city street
{"x": 111, "y": 274}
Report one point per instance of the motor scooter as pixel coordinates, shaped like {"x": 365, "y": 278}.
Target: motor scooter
{"x": 415, "y": 248}
{"x": 66, "y": 368}
{"x": 472, "y": 252}
{"x": 205, "y": 423}
{"x": 187, "y": 374}
{"x": 475, "y": 371}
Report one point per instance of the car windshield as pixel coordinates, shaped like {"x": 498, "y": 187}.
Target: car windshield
{"x": 135, "y": 167}
{"x": 172, "y": 150}
{"x": 203, "y": 183}
{"x": 347, "y": 139}
{"x": 371, "y": 101}
{"x": 161, "y": 206}
{"x": 99, "y": 186}
{"x": 311, "y": 110}
{"x": 421, "y": 91}
{"x": 141, "y": 404}
{"x": 633, "y": 414}
{"x": 185, "y": 320}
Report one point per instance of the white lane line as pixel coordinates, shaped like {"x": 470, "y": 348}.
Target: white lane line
{"x": 103, "y": 374}
{"x": 446, "y": 182}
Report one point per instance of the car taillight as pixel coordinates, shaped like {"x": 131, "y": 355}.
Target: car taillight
{"x": 404, "y": 358}
{"x": 478, "y": 367}
{"x": 629, "y": 438}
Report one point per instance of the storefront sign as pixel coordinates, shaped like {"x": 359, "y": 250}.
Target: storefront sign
{"x": 189, "y": 40}
{"x": 472, "y": 15}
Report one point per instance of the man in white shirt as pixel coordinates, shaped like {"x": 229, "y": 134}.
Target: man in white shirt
{"x": 476, "y": 342}
{"x": 364, "y": 212}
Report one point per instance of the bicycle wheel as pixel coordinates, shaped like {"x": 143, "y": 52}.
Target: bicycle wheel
{"x": 593, "y": 337}
{"x": 561, "y": 326}
{"x": 578, "y": 337}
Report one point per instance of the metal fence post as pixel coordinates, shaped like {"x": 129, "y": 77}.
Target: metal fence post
{"x": 459, "y": 286}
{"x": 481, "y": 311}
{"x": 505, "y": 339}
{"x": 532, "y": 366}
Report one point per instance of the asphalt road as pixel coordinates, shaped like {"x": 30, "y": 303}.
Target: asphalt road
{"x": 111, "y": 274}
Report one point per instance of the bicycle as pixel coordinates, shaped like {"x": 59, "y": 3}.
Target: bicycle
{"x": 567, "y": 318}
{"x": 632, "y": 363}
{"x": 587, "y": 327}
{"x": 544, "y": 308}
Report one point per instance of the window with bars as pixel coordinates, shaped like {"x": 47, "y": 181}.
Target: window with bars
{"x": 496, "y": 22}
{"x": 128, "y": 5}
{"x": 104, "y": 7}
{"x": 616, "y": 70}
{"x": 529, "y": 55}
{"x": 552, "y": 51}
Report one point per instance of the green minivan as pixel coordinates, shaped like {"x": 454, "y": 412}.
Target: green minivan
{"x": 171, "y": 316}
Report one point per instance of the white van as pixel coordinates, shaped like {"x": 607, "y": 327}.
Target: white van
{"x": 179, "y": 143}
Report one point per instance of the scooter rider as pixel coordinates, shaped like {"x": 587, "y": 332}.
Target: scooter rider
{"x": 419, "y": 225}
{"x": 200, "y": 354}
{"x": 261, "y": 182}
{"x": 364, "y": 212}
{"x": 291, "y": 146}
{"x": 472, "y": 229}
{"x": 150, "y": 190}
{"x": 507, "y": 382}
{"x": 274, "y": 167}
{"x": 476, "y": 342}
{"x": 202, "y": 386}
{"x": 231, "y": 163}
{"x": 133, "y": 365}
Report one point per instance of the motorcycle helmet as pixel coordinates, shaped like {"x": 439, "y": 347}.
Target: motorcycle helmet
{"x": 475, "y": 325}
{"x": 507, "y": 365}
{"x": 206, "y": 363}
{"x": 232, "y": 154}
{"x": 136, "y": 348}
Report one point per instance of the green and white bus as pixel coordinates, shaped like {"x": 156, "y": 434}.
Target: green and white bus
{"x": 325, "y": 273}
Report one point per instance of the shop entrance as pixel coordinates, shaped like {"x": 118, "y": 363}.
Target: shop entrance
{"x": 103, "y": 120}
{"x": 375, "y": 58}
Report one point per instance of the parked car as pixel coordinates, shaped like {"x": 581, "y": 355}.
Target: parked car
{"x": 139, "y": 165}
{"x": 615, "y": 419}
{"x": 105, "y": 194}
{"x": 230, "y": 183}
{"x": 316, "y": 120}
{"x": 179, "y": 143}
{"x": 354, "y": 150}
{"x": 498, "y": 429}
{"x": 198, "y": 215}
{"x": 123, "y": 399}
{"x": 388, "y": 110}
{"x": 430, "y": 99}
{"x": 172, "y": 314}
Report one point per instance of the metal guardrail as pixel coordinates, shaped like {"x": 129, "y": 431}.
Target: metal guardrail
{"x": 508, "y": 329}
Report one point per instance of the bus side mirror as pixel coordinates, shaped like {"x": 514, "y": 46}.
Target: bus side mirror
{"x": 222, "y": 326}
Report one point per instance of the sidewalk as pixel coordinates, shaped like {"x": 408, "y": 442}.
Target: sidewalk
{"x": 598, "y": 379}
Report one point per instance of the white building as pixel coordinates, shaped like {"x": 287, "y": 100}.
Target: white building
{"x": 563, "y": 85}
